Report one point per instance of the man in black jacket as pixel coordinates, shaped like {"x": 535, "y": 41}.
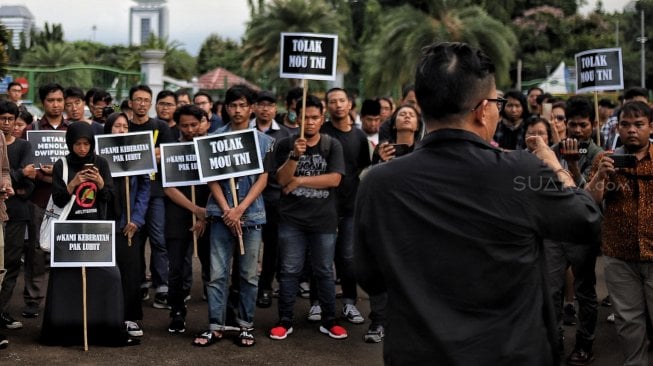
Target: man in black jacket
{"x": 453, "y": 232}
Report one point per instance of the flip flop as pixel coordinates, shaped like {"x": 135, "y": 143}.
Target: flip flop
{"x": 245, "y": 337}
{"x": 210, "y": 336}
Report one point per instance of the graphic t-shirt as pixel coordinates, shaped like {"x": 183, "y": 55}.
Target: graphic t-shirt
{"x": 85, "y": 204}
{"x": 311, "y": 209}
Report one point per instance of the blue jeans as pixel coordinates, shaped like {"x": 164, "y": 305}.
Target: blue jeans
{"x": 345, "y": 259}
{"x": 293, "y": 244}
{"x": 155, "y": 222}
{"x": 223, "y": 244}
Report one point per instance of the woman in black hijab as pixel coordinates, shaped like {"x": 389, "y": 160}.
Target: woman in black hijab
{"x": 89, "y": 182}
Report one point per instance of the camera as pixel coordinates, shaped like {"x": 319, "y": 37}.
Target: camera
{"x": 624, "y": 160}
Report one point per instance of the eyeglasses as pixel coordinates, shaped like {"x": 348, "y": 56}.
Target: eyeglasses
{"x": 537, "y": 133}
{"x": 265, "y": 105}
{"x": 166, "y": 105}
{"x": 142, "y": 101}
{"x": 7, "y": 119}
{"x": 501, "y": 102}
{"x": 560, "y": 118}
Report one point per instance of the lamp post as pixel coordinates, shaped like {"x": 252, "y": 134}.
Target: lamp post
{"x": 642, "y": 40}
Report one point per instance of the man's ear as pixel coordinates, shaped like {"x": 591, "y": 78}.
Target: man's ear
{"x": 480, "y": 114}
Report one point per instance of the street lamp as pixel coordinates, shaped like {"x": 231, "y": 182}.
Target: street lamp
{"x": 642, "y": 40}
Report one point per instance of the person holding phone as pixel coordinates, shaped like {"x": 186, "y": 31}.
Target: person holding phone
{"x": 405, "y": 132}
{"x": 89, "y": 181}
{"x": 626, "y": 231}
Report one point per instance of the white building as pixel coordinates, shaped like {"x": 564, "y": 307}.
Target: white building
{"x": 146, "y": 18}
{"x": 18, "y": 20}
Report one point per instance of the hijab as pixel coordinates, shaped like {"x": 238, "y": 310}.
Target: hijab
{"x": 74, "y": 133}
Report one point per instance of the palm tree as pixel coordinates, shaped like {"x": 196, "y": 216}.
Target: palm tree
{"x": 57, "y": 55}
{"x": 391, "y": 52}
{"x": 4, "y": 43}
{"x": 261, "y": 44}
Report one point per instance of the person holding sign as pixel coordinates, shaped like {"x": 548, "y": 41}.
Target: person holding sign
{"x": 89, "y": 182}
{"x": 231, "y": 220}
{"x": 182, "y": 203}
{"x": 8, "y": 111}
{"x": 127, "y": 250}
{"x": 310, "y": 168}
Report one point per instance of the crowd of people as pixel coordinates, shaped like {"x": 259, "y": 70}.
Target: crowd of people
{"x": 458, "y": 209}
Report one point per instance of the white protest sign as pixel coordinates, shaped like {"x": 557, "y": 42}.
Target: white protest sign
{"x": 600, "y": 69}
{"x": 308, "y": 56}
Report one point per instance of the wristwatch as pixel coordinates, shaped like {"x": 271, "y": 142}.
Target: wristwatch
{"x": 292, "y": 156}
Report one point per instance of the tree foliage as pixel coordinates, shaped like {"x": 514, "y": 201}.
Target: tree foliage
{"x": 219, "y": 52}
{"x": 5, "y": 40}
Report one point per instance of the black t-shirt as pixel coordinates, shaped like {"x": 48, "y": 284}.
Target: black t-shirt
{"x": 162, "y": 135}
{"x": 356, "y": 153}
{"x": 178, "y": 219}
{"x": 19, "y": 153}
{"x": 313, "y": 210}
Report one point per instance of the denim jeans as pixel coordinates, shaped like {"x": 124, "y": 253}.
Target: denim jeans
{"x": 293, "y": 244}
{"x": 155, "y": 222}
{"x": 223, "y": 245}
{"x": 345, "y": 259}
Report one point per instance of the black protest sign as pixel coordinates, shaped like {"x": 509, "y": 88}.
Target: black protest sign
{"x": 308, "y": 56}
{"x": 179, "y": 165}
{"x": 47, "y": 146}
{"x": 598, "y": 70}
{"x": 128, "y": 154}
{"x": 228, "y": 155}
{"x": 83, "y": 244}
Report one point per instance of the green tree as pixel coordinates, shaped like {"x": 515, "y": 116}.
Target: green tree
{"x": 178, "y": 63}
{"x": 219, "y": 52}
{"x": 47, "y": 35}
{"x": 392, "y": 52}
{"x": 54, "y": 55}
{"x": 5, "y": 40}
{"x": 261, "y": 44}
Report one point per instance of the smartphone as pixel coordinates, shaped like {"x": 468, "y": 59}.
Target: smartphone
{"x": 546, "y": 110}
{"x": 401, "y": 149}
{"x": 88, "y": 167}
{"x": 624, "y": 160}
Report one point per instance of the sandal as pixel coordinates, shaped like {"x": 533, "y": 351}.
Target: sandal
{"x": 210, "y": 336}
{"x": 246, "y": 338}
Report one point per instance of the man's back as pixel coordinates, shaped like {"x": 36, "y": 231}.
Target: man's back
{"x": 453, "y": 232}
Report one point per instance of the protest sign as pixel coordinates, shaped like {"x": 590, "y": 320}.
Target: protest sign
{"x": 83, "y": 244}
{"x": 600, "y": 69}
{"x": 228, "y": 155}
{"x": 128, "y": 154}
{"x": 308, "y": 56}
{"x": 47, "y": 146}
{"x": 179, "y": 165}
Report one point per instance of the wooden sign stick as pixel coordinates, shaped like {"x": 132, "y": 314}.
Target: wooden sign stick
{"x": 234, "y": 195}
{"x": 305, "y": 91}
{"x": 129, "y": 215}
{"x": 192, "y": 198}
{"x": 85, "y": 321}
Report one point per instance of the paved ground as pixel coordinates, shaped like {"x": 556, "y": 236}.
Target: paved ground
{"x": 306, "y": 346}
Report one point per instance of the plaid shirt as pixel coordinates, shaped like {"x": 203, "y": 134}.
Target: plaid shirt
{"x": 510, "y": 138}
{"x": 609, "y": 132}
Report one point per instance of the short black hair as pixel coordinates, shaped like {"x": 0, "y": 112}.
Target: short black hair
{"x": 73, "y": 92}
{"x": 637, "y": 109}
{"x": 311, "y": 101}
{"x": 407, "y": 89}
{"x": 636, "y": 92}
{"x": 14, "y": 83}
{"x": 580, "y": 106}
{"x": 370, "y": 107}
{"x": 9, "y": 107}
{"x": 88, "y": 98}
{"x": 102, "y": 95}
{"x": 294, "y": 94}
{"x": 205, "y": 94}
{"x": 336, "y": 89}
{"x": 451, "y": 78}
{"x": 239, "y": 91}
{"x": 46, "y": 89}
{"x": 184, "y": 91}
{"x": 140, "y": 87}
{"x": 535, "y": 120}
{"x": 189, "y": 110}
{"x": 534, "y": 88}
{"x": 166, "y": 93}
{"x": 26, "y": 116}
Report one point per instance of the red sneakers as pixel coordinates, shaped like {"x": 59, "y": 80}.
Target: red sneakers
{"x": 281, "y": 331}
{"x": 335, "y": 332}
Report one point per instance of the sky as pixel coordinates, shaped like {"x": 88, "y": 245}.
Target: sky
{"x": 190, "y": 21}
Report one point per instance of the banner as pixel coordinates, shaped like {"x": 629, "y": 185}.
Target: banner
{"x": 128, "y": 154}
{"x": 179, "y": 165}
{"x": 598, "y": 70}
{"x": 228, "y": 155}
{"x": 83, "y": 244}
{"x": 47, "y": 146}
{"x": 308, "y": 56}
